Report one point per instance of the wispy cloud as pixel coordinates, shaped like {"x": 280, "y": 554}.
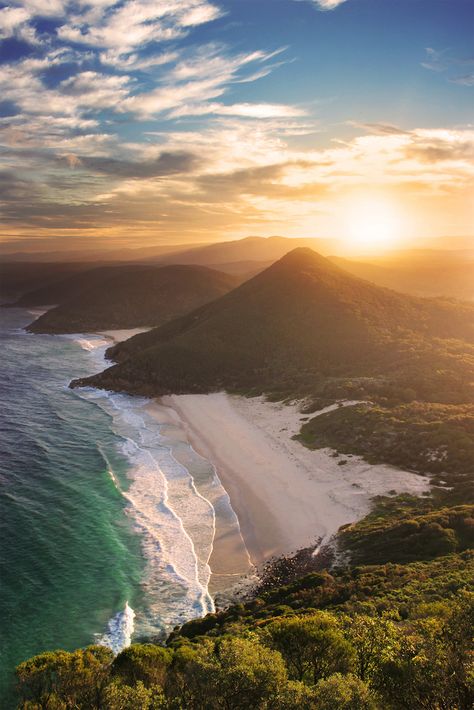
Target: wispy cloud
{"x": 132, "y": 24}
{"x": 465, "y": 80}
{"x": 441, "y": 61}
{"x": 193, "y": 81}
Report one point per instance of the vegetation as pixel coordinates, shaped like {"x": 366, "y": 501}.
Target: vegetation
{"x": 305, "y": 328}
{"x": 313, "y": 659}
{"x": 390, "y": 625}
{"x": 290, "y": 328}
{"x": 388, "y": 535}
{"x": 429, "y": 438}
{"x": 127, "y": 297}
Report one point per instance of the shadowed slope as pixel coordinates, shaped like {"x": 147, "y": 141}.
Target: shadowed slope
{"x": 131, "y": 296}
{"x": 301, "y": 320}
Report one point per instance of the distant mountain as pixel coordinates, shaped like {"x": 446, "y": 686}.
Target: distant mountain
{"x": 247, "y": 249}
{"x": 109, "y": 255}
{"x": 300, "y": 323}
{"x": 260, "y": 249}
{"x": 420, "y": 273}
{"x": 17, "y": 278}
{"x": 126, "y": 297}
{"x": 466, "y": 242}
{"x": 65, "y": 284}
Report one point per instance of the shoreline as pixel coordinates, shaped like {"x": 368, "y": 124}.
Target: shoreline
{"x": 286, "y": 497}
{"x": 271, "y": 496}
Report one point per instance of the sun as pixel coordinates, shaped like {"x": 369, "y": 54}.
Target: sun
{"x": 371, "y": 223}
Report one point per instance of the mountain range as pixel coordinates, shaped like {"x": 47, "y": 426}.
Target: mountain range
{"x": 420, "y": 272}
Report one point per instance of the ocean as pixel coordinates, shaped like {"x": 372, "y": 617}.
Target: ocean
{"x": 107, "y": 515}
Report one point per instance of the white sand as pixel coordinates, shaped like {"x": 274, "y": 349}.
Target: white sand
{"x": 119, "y": 335}
{"x": 285, "y": 496}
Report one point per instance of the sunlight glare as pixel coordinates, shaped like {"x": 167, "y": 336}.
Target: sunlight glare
{"x": 371, "y": 224}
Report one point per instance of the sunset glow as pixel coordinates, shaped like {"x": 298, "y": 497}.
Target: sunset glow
{"x": 211, "y": 120}
{"x": 371, "y": 224}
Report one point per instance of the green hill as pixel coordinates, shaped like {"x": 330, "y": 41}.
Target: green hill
{"x": 294, "y": 328}
{"x": 126, "y": 297}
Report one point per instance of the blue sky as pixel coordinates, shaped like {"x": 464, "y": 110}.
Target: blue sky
{"x": 158, "y": 121}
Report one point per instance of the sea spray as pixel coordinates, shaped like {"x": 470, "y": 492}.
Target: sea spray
{"x": 119, "y": 630}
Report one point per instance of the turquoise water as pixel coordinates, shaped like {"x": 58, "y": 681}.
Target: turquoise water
{"x": 69, "y": 558}
{"x": 102, "y": 502}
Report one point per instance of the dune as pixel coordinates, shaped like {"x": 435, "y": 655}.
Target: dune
{"x": 286, "y": 496}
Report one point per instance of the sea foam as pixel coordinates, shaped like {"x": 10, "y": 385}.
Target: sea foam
{"x": 119, "y": 630}
{"x": 172, "y": 504}
{"x": 175, "y": 521}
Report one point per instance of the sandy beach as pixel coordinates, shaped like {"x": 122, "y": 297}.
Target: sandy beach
{"x": 285, "y": 496}
{"x": 117, "y": 336}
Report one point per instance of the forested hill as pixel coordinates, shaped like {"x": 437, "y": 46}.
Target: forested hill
{"x": 18, "y": 278}
{"x": 297, "y": 326}
{"x": 127, "y": 297}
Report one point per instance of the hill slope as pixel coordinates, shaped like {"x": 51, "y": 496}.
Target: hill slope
{"x": 287, "y": 330}
{"x": 18, "y": 278}
{"x": 127, "y": 297}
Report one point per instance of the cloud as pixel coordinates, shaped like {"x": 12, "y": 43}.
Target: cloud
{"x": 465, "y": 80}
{"x": 381, "y": 129}
{"x": 167, "y": 163}
{"x": 438, "y": 146}
{"x": 137, "y": 23}
{"x": 328, "y": 4}
{"x": 15, "y": 22}
{"x": 440, "y": 61}
{"x": 197, "y": 79}
{"x": 94, "y": 90}
{"x": 246, "y": 110}
{"x": 133, "y": 61}
{"x": 44, "y": 8}
{"x": 121, "y": 120}
{"x": 435, "y": 60}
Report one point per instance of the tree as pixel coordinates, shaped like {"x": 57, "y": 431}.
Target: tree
{"x": 432, "y": 667}
{"x": 65, "y": 680}
{"x": 372, "y": 638}
{"x": 295, "y": 695}
{"x": 313, "y": 646}
{"x": 458, "y": 642}
{"x": 232, "y": 673}
{"x": 119, "y": 696}
{"x": 146, "y": 662}
{"x": 343, "y": 692}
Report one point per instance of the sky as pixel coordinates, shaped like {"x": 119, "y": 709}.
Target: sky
{"x": 145, "y": 122}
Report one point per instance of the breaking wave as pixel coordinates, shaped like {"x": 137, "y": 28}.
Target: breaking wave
{"x": 172, "y": 501}
{"x": 119, "y": 630}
